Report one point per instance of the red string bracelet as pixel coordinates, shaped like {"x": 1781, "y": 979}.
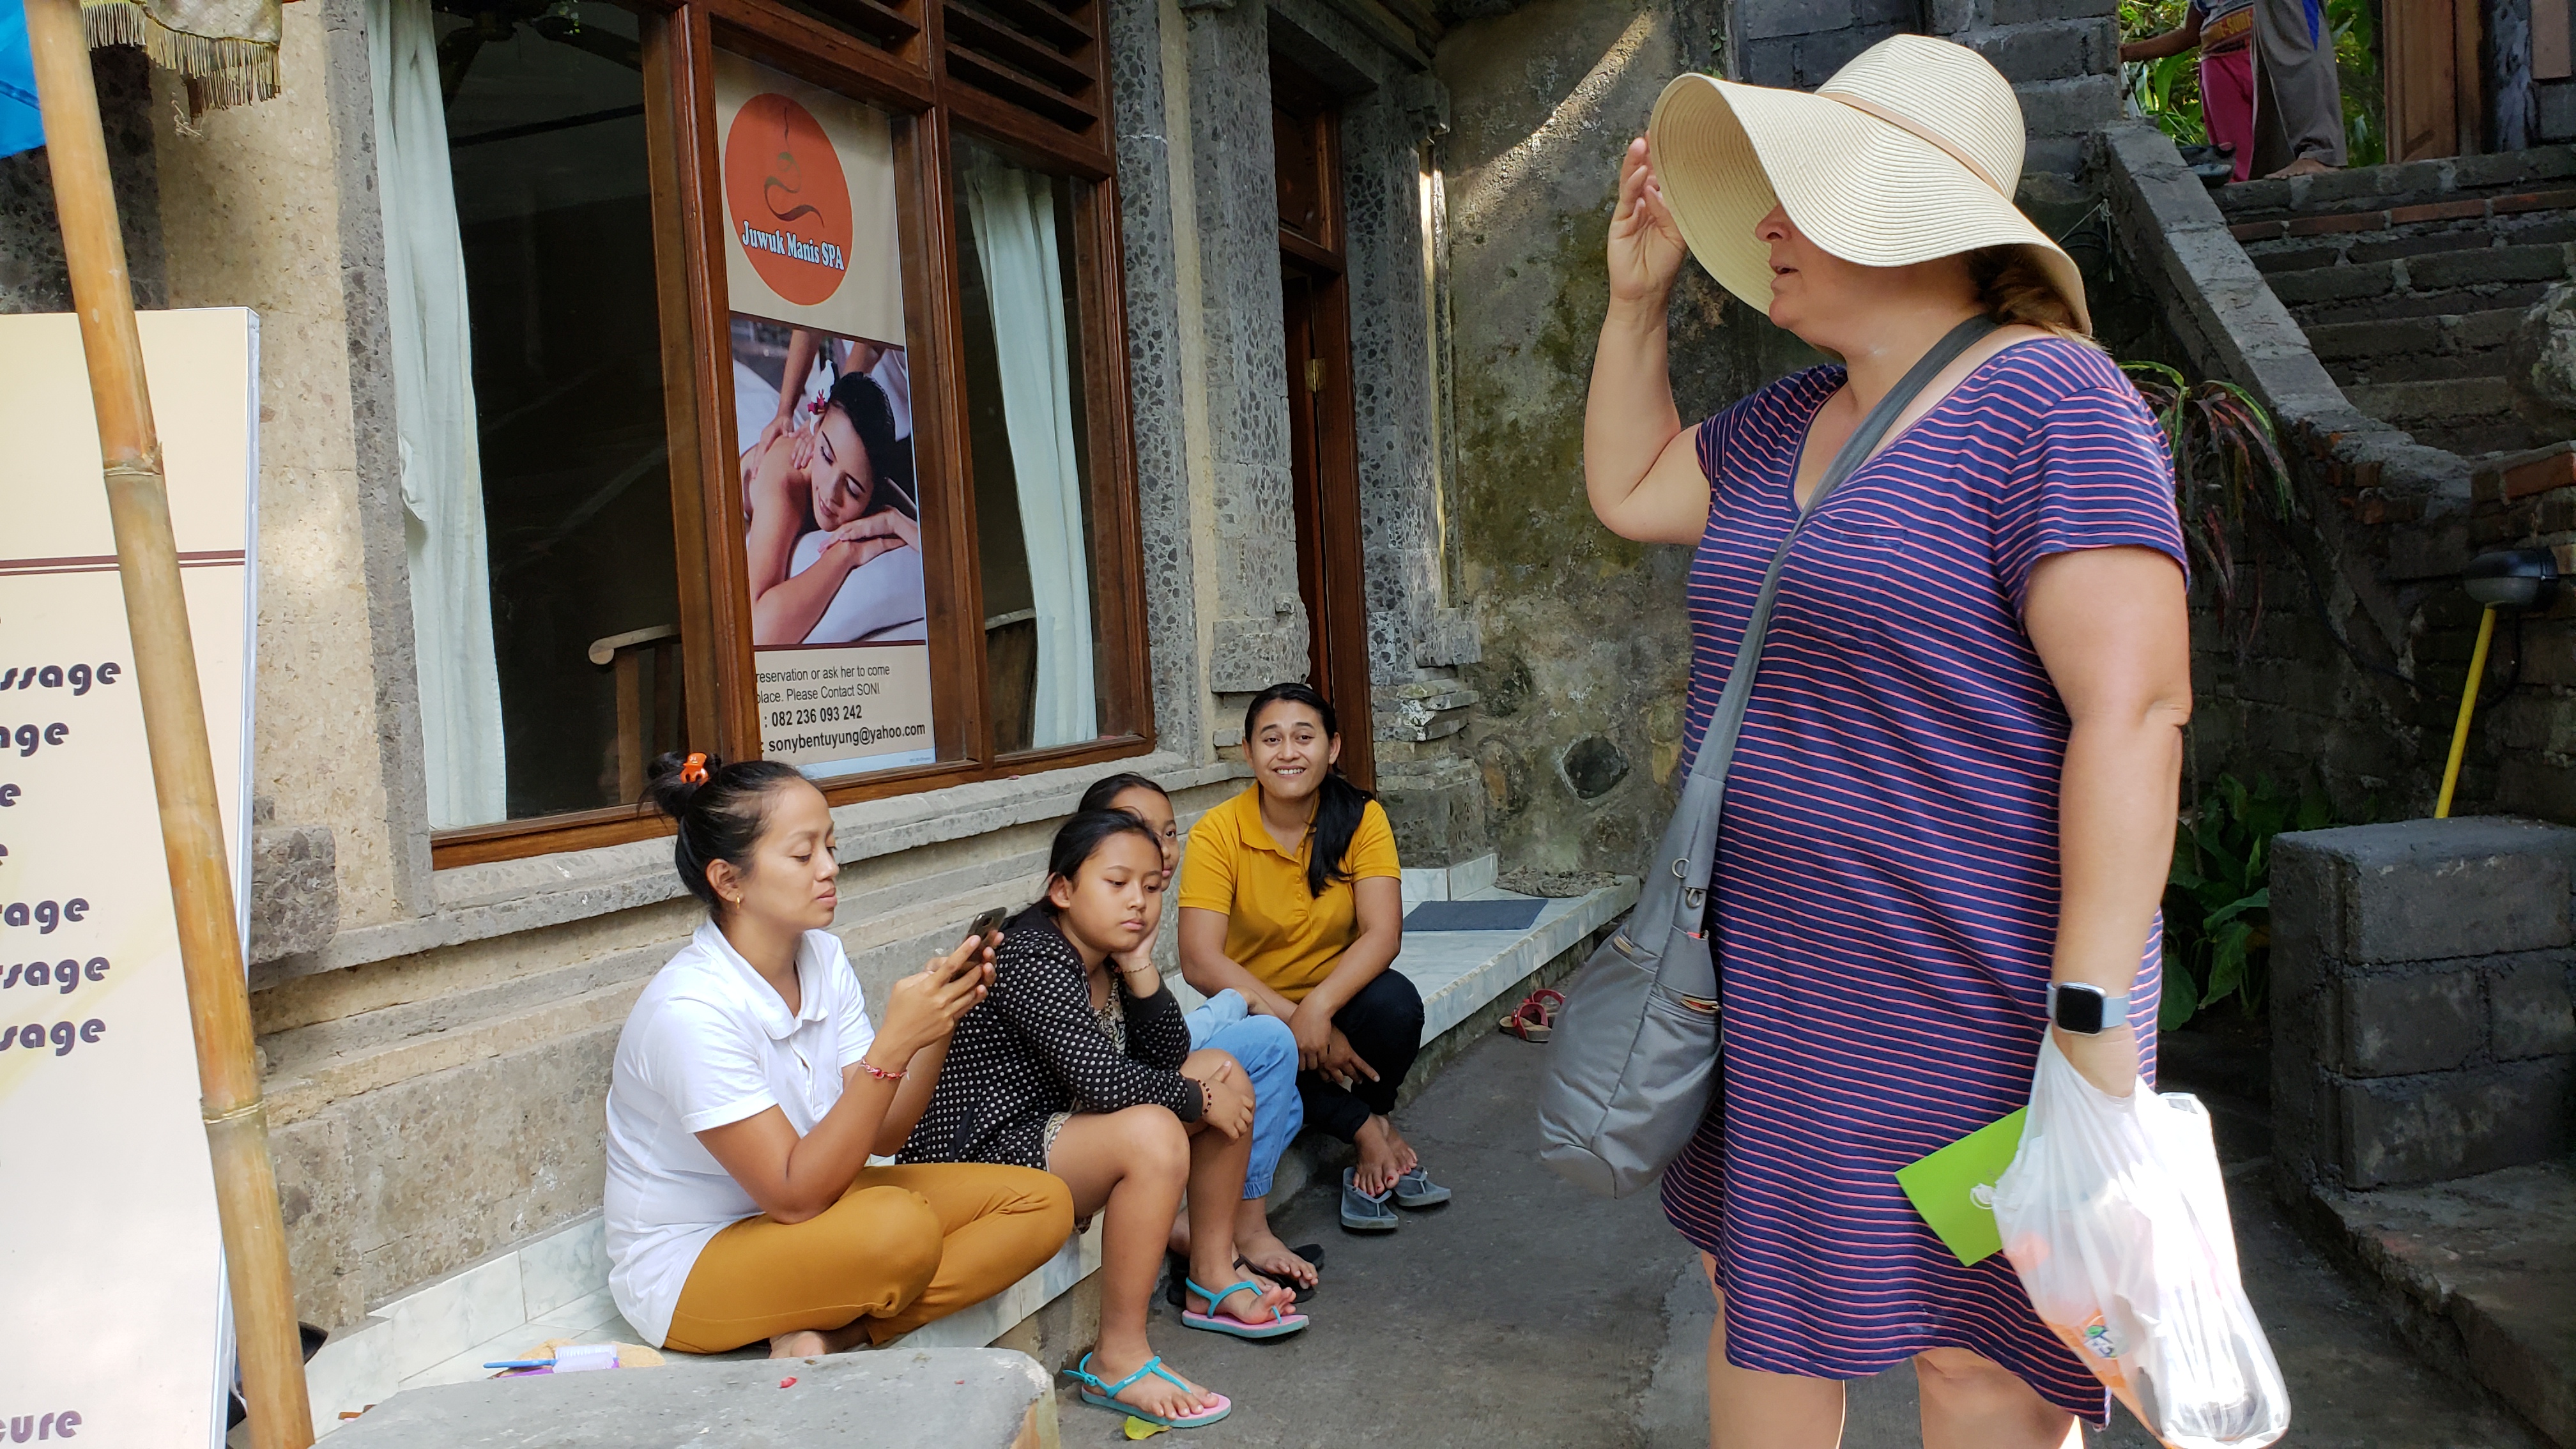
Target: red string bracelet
{"x": 878, "y": 1072}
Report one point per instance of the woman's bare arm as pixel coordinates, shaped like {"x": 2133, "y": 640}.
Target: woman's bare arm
{"x": 2110, "y": 624}
{"x": 2173, "y": 42}
{"x": 788, "y": 610}
{"x": 794, "y": 1178}
{"x": 1640, "y": 465}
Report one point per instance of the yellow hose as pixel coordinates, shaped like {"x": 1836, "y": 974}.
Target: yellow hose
{"x": 2468, "y": 707}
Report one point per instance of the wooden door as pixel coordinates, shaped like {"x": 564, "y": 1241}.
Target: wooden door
{"x": 1324, "y": 458}
{"x": 2435, "y": 105}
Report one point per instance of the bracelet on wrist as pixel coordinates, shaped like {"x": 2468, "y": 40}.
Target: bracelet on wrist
{"x": 880, "y": 1073}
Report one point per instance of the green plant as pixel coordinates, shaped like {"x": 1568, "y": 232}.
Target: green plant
{"x": 2227, "y": 461}
{"x": 2165, "y": 91}
{"x": 2356, "y": 46}
{"x": 2218, "y": 897}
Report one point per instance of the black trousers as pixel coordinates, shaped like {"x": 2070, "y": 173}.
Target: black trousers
{"x": 1384, "y": 1024}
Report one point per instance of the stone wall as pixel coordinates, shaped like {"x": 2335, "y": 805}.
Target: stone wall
{"x": 2420, "y": 999}
{"x": 1578, "y": 729}
{"x": 2338, "y": 656}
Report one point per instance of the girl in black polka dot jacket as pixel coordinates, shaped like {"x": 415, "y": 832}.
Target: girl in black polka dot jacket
{"x": 1078, "y": 1061}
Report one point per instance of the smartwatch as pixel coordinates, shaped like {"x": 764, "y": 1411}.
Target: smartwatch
{"x": 2085, "y": 1010}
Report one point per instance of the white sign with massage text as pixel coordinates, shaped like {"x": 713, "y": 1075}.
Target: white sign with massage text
{"x": 111, "y": 1258}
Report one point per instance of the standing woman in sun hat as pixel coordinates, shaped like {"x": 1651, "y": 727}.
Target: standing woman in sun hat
{"x": 1950, "y": 808}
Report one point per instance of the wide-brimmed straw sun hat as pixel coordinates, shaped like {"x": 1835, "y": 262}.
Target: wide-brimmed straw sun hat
{"x": 1911, "y": 151}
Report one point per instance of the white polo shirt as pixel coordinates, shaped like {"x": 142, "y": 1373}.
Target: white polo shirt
{"x": 708, "y": 1043}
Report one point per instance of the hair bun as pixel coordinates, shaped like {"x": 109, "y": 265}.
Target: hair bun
{"x": 675, "y": 777}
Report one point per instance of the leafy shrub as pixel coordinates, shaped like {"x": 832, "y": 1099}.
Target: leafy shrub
{"x": 2218, "y": 898}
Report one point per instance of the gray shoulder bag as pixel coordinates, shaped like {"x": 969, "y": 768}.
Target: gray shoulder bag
{"x": 1633, "y": 1062}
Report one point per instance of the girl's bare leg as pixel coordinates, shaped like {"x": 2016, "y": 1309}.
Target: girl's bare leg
{"x": 1129, "y": 1165}
{"x": 1749, "y": 1409}
{"x": 1216, "y": 1186}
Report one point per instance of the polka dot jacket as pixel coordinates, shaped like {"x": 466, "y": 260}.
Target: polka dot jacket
{"x": 1032, "y": 1048}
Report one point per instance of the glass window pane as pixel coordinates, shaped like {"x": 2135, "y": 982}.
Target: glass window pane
{"x": 1028, "y": 438}
{"x": 545, "y": 136}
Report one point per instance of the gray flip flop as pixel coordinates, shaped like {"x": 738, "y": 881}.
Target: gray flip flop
{"x": 1364, "y": 1212}
{"x": 1416, "y": 1190}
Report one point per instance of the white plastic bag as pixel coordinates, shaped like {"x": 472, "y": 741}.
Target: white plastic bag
{"x": 2115, "y": 1216}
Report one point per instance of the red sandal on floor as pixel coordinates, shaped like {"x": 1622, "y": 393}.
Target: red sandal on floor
{"x": 1535, "y": 1018}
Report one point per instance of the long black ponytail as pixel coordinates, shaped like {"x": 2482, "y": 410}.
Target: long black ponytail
{"x": 1339, "y": 804}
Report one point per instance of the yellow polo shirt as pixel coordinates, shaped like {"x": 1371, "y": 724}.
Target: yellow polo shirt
{"x": 1273, "y": 928}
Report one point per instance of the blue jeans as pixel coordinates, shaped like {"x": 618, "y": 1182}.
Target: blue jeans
{"x": 1268, "y": 1053}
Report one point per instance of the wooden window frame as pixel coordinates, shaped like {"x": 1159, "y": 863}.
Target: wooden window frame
{"x": 903, "y": 69}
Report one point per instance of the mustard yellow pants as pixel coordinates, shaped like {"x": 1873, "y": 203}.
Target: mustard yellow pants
{"x": 903, "y": 1246}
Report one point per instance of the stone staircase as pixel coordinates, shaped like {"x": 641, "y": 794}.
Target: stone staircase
{"x": 2409, "y": 280}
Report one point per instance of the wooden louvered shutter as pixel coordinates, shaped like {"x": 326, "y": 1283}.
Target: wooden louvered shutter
{"x": 1037, "y": 56}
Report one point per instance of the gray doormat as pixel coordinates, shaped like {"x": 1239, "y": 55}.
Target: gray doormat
{"x": 1474, "y": 915}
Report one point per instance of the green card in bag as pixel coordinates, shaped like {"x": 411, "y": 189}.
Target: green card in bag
{"x": 1951, "y": 1187}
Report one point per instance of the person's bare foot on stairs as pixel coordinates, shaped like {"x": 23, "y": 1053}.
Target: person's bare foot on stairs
{"x": 2304, "y": 166}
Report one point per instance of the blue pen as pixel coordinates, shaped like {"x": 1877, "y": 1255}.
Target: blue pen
{"x": 521, "y": 1363}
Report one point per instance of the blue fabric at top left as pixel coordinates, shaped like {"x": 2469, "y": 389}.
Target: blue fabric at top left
{"x": 21, "y": 129}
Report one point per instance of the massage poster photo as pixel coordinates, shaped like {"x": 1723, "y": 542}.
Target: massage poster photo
{"x": 114, "y": 1332}
{"x": 823, "y": 421}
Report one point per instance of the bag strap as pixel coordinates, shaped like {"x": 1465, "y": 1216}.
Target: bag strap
{"x": 1717, "y": 744}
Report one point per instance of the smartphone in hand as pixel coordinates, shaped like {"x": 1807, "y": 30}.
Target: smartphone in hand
{"x": 988, "y": 921}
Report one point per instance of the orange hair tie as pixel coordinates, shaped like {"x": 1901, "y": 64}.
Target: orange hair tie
{"x": 693, "y": 770}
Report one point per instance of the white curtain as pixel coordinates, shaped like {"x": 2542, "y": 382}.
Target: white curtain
{"x": 1013, "y": 215}
{"x": 442, "y": 473}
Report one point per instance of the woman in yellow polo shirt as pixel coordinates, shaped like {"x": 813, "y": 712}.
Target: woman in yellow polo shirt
{"x": 1291, "y": 895}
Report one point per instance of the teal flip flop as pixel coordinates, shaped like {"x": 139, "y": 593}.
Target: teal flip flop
{"x": 1280, "y": 1325}
{"x": 1107, "y": 1397}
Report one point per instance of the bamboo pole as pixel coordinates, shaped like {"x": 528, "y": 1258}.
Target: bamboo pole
{"x": 174, "y": 726}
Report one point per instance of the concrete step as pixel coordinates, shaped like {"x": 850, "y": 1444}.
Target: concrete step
{"x": 2297, "y": 254}
{"x": 2482, "y": 1270}
{"x": 976, "y": 1398}
{"x": 2362, "y": 190}
{"x": 2415, "y": 349}
{"x": 2470, "y": 416}
{"x": 2462, "y": 274}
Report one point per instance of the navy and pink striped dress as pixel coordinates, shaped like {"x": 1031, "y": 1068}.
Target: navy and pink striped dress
{"x": 1886, "y": 892}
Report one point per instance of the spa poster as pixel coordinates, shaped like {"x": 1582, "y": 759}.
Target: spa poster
{"x": 822, "y": 399}
{"x": 111, "y": 1259}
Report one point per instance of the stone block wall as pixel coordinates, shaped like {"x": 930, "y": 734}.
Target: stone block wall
{"x": 2421, "y": 987}
{"x": 2062, "y": 56}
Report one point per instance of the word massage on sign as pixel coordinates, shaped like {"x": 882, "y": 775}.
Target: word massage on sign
{"x": 111, "y": 1255}
{"x": 64, "y": 684}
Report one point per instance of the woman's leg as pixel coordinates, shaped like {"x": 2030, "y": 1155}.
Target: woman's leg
{"x": 1384, "y": 1025}
{"x": 1131, "y": 1165}
{"x": 1749, "y": 1409}
{"x": 998, "y": 1225}
{"x": 809, "y": 1287}
{"x": 1972, "y": 1402}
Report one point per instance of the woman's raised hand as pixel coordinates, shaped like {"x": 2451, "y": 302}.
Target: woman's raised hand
{"x": 1646, "y": 246}
{"x": 923, "y": 1008}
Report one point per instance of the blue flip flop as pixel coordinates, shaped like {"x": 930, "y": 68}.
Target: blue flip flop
{"x": 1280, "y": 1325}
{"x": 1107, "y": 1397}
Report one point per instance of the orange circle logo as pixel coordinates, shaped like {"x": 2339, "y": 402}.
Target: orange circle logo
{"x": 790, "y": 202}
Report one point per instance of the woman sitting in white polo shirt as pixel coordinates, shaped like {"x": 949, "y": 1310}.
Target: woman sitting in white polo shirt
{"x": 750, "y": 1090}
